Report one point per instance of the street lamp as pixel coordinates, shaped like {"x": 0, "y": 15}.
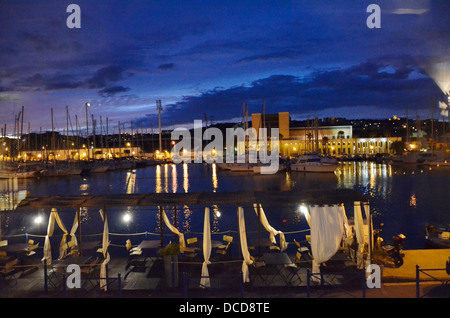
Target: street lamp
{"x": 38, "y": 219}
{"x": 126, "y": 217}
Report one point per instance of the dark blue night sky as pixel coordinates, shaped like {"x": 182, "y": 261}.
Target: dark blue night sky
{"x": 311, "y": 58}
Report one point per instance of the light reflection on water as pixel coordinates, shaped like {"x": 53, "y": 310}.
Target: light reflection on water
{"x": 403, "y": 198}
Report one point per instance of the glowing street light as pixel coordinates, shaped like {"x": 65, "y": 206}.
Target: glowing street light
{"x": 126, "y": 218}
{"x": 303, "y": 209}
{"x": 38, "y": 219}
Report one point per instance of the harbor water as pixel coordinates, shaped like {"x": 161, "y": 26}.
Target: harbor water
{"x": 403, "y": 198}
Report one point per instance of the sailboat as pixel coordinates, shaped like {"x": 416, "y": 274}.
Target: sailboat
{"x": 11, "y": 171}
{"x": 410, "y": 158}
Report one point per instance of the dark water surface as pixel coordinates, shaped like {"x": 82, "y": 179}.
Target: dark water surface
{"x": 403, "y": 198}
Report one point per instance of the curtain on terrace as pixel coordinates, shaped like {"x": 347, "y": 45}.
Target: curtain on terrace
{"x": 269, "y": 228}
{"x": 327, "y": 230}
{"x": 205, "y": 281}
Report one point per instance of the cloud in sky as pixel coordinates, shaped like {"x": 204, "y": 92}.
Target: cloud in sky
{"x": 377, "y": 86}
{"x": 304, "y": 57}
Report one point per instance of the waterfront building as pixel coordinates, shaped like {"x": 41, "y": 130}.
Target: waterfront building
{"x": 80, "y": 154}
{"x": 327, "y": 140}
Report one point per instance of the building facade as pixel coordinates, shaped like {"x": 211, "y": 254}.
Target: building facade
{"x": 326, "y": 140}
{"x": 80, "y": 154}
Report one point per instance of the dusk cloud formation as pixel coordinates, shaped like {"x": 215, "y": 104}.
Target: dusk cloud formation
{"x": 306, "y": 57}
{"x": 375, "y": 84}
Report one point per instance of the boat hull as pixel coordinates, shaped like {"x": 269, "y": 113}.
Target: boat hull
{"x": 241, "y": 167}
{"x": 98, "y": 169}
{"x": 325, "y": 168}
{"x": 18, "y": 175}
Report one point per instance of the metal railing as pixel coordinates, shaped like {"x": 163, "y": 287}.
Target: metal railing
{"x": 108, "y": 285}
{"x": 349, "y": 282}
{"x": 100, "y": 283}
{"x": 217, "y": 291}
{"x": 433, "y": 279}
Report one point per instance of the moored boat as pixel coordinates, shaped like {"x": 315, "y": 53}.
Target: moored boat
{"x": 313, "y": 163}
{"x": 437, "y": 237}
{"x": 18, "y": 174}
{"x": 411, "y": 158}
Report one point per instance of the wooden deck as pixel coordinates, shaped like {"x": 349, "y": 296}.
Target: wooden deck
{"x": 151, "y": 280}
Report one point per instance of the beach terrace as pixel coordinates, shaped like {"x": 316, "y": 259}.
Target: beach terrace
{"x": 73, "y": 261}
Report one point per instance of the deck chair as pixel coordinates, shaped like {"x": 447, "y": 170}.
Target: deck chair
{"x": 135, "y": 258}
{"x": 302, "y": 255}
{"x": 294, "y": 271}
{"x": 8, "y": 272}
{"x": 3, "y": 253}
{"x": 73, "y": 249}
{"x": 223, "y": 249}
{"x": 257, "y": 263}
{"x": 88, "y": 270}
{"x": 31, "y": 249}
{"x": 190, "y": 251}
{"x": 257, "y": 270}
{"x": 190, "y": 245}
{"x": 274, "y": 248}
{"x": 308, "y": 238}
{"x": 128, "y": 245}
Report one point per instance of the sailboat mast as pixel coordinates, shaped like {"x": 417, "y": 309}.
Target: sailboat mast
{"x": 93, "y": 130}
{"x": 407, "y": 127}
{"x": 78, "y": 136}
{"x": 53, "y": 134}
{"x": 432, "y": 126}
{"x": 21, "y": 127}
{"x": 67, "y": 132}
{"x": 101, "y": 134}
{"x": 159, "y": 107}
{"x": 107, "y": 134}
{"x": 120, "y": 140}
{"x": 87, "y": 131}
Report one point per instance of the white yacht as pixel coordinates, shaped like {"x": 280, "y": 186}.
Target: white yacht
{"x": 313, "y": 163}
